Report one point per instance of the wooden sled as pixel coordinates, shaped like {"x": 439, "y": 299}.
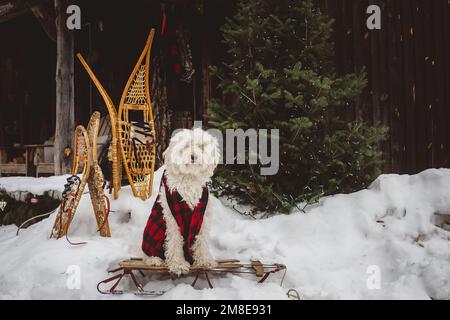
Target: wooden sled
{"x": 137, "y": 152}
{"x": 128, "y": 267}
{"x": 85, "y": 160}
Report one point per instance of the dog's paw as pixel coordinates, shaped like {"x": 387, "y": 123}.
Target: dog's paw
{"x": 153, "y": 261}
{"x": 206, "y": 263}
{"x": 179, "y": 268}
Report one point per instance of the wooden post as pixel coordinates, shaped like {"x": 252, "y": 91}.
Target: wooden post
{"x": 64, "y": 89}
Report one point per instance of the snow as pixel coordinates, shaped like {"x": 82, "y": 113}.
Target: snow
{"x": 330, "y": 251}
{"x": 37, "y": 186}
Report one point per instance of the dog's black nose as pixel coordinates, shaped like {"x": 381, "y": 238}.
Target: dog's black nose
{"x": 193, "y": 158}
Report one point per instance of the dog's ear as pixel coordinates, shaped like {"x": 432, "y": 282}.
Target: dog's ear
{"x": 177, "y": 136}
{"x": 166, "y": 153}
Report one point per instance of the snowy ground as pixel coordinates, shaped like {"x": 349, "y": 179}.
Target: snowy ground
{"x": 390, "y": 228}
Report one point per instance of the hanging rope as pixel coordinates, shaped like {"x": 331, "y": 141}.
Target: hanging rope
{"x": 31, "y": 219}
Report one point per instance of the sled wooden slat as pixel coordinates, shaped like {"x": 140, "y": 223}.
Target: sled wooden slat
{"x": 257, "y": 265}
{"x": 227, "y": 261}
{"x": 141, "y": 265}
{"x": 128, "y": 267}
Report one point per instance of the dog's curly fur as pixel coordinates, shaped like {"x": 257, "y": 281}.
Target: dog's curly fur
{"x": 189, "y": 162}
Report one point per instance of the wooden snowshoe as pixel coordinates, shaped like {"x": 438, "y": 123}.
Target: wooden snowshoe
{"x": 133, "y": 133}
{"x": 85, "y": 160}
{"x": 136, "y": 127}
{"x": 128, "y": 267}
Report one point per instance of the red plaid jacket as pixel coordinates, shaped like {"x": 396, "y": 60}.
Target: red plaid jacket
{"x": 189, "y": 222}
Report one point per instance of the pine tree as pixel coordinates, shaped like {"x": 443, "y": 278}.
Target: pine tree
{"x": 280, "y": 75}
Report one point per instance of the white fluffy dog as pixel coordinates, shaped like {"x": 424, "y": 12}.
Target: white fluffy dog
{"x": 177, "y": 230}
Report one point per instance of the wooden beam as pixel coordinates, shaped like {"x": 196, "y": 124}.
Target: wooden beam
{"x": 10, "y": 9}
{"x": 43, "y": 10}
{"x": 45, "y": 14}
{"x": 64, "y": 89}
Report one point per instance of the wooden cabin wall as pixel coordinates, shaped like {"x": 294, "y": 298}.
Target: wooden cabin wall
{"x": 112, "y": 40}
{"x": 407, "y": 62}
{"x": 26, "y": 81}
{"x": 213, "y": 50}
{"x": 112, "y": 36}
{"x": 408, "y": 68}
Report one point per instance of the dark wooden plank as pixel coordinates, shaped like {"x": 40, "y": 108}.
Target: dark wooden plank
{"x": 395, "y": 79}
{"x": 347, "y": 41}
{"x": 409, "y": 70}
{"x": 361, "y": 54}
{"x": 446, "y": 67}
{"x": 375, "y": 72}
{"x": 439, "y": 75}
{"x": 13, "y": 169}
{"x": 430, "y": 85}
{"x": 420, "y": 102}
{"x": 384, "y": 80}
{"x": 407, "y": 107}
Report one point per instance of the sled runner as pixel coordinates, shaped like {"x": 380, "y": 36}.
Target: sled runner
{"x": 133, "y": 142}
{"x": 85, "y": 159}
{"x": 128, "y": 267}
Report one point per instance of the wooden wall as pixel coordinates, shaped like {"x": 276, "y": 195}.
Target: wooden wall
{"x": 27, "y": 86}
{"x": 407, "y": 61}
{"x": 408, "y": 66}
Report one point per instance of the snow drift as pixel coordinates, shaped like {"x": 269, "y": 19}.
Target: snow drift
{"x": 394, "y": 231}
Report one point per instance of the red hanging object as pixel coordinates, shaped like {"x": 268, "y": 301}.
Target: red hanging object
{"x": 163, "y": 26}
{"x": 164, "y": 20}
